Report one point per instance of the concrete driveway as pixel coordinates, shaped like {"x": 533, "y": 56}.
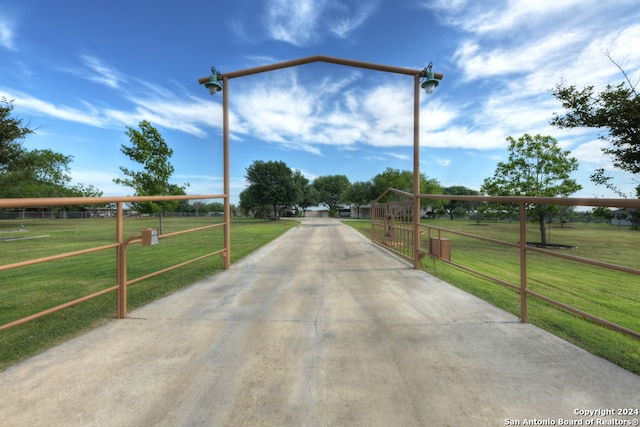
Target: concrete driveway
{"x": 318, "y": 328}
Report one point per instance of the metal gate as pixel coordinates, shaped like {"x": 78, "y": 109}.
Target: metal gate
{"x": 392, "y": 225}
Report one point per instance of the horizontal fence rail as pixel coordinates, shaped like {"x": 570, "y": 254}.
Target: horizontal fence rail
{"x": 120, "y": 245}
{"x": 392, "y": 229}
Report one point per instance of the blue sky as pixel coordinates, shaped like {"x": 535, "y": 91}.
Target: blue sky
{"x": 80, "y": 72}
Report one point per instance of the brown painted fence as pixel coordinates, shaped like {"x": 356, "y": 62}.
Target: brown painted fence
{"x": 120, "y": 245}
{"x": 393, "y": 228}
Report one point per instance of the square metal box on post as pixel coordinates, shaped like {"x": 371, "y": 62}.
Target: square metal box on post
{"x": 149, "y": 236}
{"x": 440, "y": 248}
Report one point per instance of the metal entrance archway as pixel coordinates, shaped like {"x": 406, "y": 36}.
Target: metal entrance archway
{"x": 417, "y": 75}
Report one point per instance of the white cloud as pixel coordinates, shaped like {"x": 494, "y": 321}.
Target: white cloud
{"x": 482, "y": 62}
{"x": 6, "y": 35}
{"x": 515, "y": 13}
{"x": 343, "y": 26}
{"x": 296, "y": 117}
{"x": 238, "y": 28}
{"x": 39, "y": 107}
{"x": 293, "y": 22}
{"x": 591, "y": 153}
{"x": 442, "y": 162}
{"x": 306, "y": 22}
{"x": 458, "y": 136}
{"x": 398, "y": 156}
{"x": 191, "y": 116}
{"x": 188, "y": 116}
{"x": 101, "y": 73}
{"x": 491, "y": 17}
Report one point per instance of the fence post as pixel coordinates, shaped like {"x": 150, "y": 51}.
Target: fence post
{"x": 121, "y": 265}
{"x": 226, "y": 168}
{"x": 523, "y": 262}
{"x": 122, "y": 281}
{"x": 417, "y": 262}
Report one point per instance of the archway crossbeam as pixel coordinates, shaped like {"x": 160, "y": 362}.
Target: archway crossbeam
{"x": 321, "y": 58}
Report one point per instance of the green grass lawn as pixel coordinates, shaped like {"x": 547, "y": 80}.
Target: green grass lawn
{"x": 607, "y": 294}
{"x": 28, "y": 290}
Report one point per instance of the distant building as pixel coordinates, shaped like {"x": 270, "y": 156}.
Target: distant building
{"x": 363, "y": 212}
{"x": 624, "y": 217}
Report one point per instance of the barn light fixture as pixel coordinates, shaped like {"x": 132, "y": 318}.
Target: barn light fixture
{"x": 214, "y": 84}
{"x": 428, "y": 82}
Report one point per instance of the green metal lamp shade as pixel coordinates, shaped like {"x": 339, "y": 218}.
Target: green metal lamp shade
{"x": 429, "y": 83}
{"x": 213, "y": 84}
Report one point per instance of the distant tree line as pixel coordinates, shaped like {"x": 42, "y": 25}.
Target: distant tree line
{"x": 274, "y": 188}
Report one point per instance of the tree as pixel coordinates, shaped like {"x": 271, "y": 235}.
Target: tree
{"x": 459, "y": 207}
{"x": 306, "y": 195}
{"x": 616, "y": 109}
{"x": 12, "y": 132}
{"x": 359, "y": 193}
{"x": 393, "y": 178}
{"x": 270, "y": 184}
{"x": 32, "y": 173}
{"x": 150, "y": 150}
{"x": 602, "y": 212}
{"x": 537, "y": 167}
{"x": 403, "y": 180}
{"x": 309, "y": 197}
{"x": 330, "y": 189}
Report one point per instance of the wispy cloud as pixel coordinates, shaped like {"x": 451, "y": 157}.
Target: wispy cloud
{"x": 352, "y": 18}
{"x": 398, "y": 156}
{"x": 482, "y": 61}
{"x": 191, "y": 115}
{"x": 36, "y": 106}
{"x": 101, "y": 73}
{"x": 442, "y": 162}
{"x": 499, "y": 16}
{"x": 294, "y": 22}
{"x": 238, "y": 28}
{"x": 307, "y": 22}
{"x": 7, "y": 35}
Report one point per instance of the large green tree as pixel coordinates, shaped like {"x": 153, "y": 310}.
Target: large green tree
{"x": 12, "y": 133}
{"x": 459, "y": 207}
{"x": 270, "y": 184}
{"x": 616, "y": 110}
{"x": 39, "y": 173}
{"x": 537, "y": 167}
{"x": 359, "y": 194}
{"x": 150, "y": 150}
{"x": 330, "y": 189}
{"x": 32, "y": 173}
{"x": 306, "y": 194}
{"x": 403, "y": 180}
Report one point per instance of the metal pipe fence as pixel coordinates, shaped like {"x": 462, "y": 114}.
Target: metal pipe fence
{"x": 392, "y": 229}
{"x": 120, "y": 246}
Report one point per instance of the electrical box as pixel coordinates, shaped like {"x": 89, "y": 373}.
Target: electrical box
{"x": 149, "y": 236}
{"x": 440, "y": 248}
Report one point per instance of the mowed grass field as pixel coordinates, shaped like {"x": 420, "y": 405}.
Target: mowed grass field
{"x": 610, "y": 295}
{"x": 29, "y": 290}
